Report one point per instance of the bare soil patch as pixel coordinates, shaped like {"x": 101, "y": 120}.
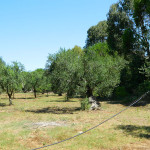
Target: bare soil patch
{"x": 46, "y": 124}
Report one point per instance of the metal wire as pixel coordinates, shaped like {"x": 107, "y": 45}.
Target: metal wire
{"x": 136, "y": 101}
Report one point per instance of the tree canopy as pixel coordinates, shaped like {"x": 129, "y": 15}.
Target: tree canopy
{"x": 97, "y": 33}
{"x": 89, "y": 73}
{"x": 10, "y": 80}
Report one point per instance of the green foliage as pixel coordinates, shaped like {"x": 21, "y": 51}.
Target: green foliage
{"x": 128, "y": 41}
{"x": 101, "y": 48}
{"x": 143, "y": 87}
{"x": 92, "y": 70}
{"x": 77, "y": 49}
{"x": 102, "y": 73}
{"x": 146, "y": 70}
{"x": 141, "y": 16}
{"x": 130, "y": 76}
{"x": 2, "y": 65}
{"x": 26, "y": 82}
{"x": 120, "y": 92}
{"x": 128, "y": 34}
{"x": 138, "y": 12}
{"x": 36, "y": 79}
{"x": 11, "y": 77}
{"x": 63, "y": 71}
{"x": 85, "y": 104}
{"x": 117, "y": 21}
{"x": 10, "y": 80}
{"x": 97, "y": 33}
{"x": 45, "y": 85}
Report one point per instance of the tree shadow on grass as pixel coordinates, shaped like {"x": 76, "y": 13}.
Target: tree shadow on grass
{"x": 127, "y": 103}
{"x": 136, "y": 131}
{"x": 51, "y": 101}
{"x": 24, "y": 98}
{"x": 4, "y": 98}
{"x": 130, "y": 99}
{"x": 56, "y": 110}
{"x": 3, "y": 105}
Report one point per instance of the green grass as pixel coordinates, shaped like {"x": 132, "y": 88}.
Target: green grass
{"x": 129, "y": 130}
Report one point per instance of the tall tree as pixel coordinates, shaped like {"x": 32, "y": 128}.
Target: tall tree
{"x": 118, "y": 24}
{"x": 142, "y": 19}
{"x": 97, "y": 33}
{"x": 124, "y": 37}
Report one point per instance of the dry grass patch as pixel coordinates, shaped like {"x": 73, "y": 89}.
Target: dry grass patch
{"x": 131, "y": 129}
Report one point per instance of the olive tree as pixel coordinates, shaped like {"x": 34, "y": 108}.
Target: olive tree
{"x": 2, "y": 65}
{"x": 63, "y": 69}
{"x": 26, "y": 81}
{"x": 45, "y": 84}
{"x": 10, "y": 80}
{"x": 36, "y": 79}
{"x": 90, "y": 73}
{"x": 101, "y": 74}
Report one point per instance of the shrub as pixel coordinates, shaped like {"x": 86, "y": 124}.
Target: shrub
{"x": 85, "y": 104}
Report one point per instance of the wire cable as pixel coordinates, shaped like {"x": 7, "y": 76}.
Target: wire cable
{"x": 136, "y": 101}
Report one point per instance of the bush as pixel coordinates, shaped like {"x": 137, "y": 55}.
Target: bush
{"x": 85, "y": 104}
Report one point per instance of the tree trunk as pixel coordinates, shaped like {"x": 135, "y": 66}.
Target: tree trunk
{"x": 10, "y": 100}
{"x": 60, "y": 94}
{"x": 148, "y": 50}
{"x": 13, "y": 95}
{"x": 35, "y": 94}
{"x": 67, "y": 98}
{"x": 95, "y": 105}
{"x": 89, "y": 92}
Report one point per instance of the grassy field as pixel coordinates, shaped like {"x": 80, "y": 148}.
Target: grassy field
{"x": 18, "y": 130}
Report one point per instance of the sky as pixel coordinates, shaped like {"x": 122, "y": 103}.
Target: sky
{"x": 30, "y": 30}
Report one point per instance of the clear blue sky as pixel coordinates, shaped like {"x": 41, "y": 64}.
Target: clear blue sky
{"x": 32, "y": 29}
